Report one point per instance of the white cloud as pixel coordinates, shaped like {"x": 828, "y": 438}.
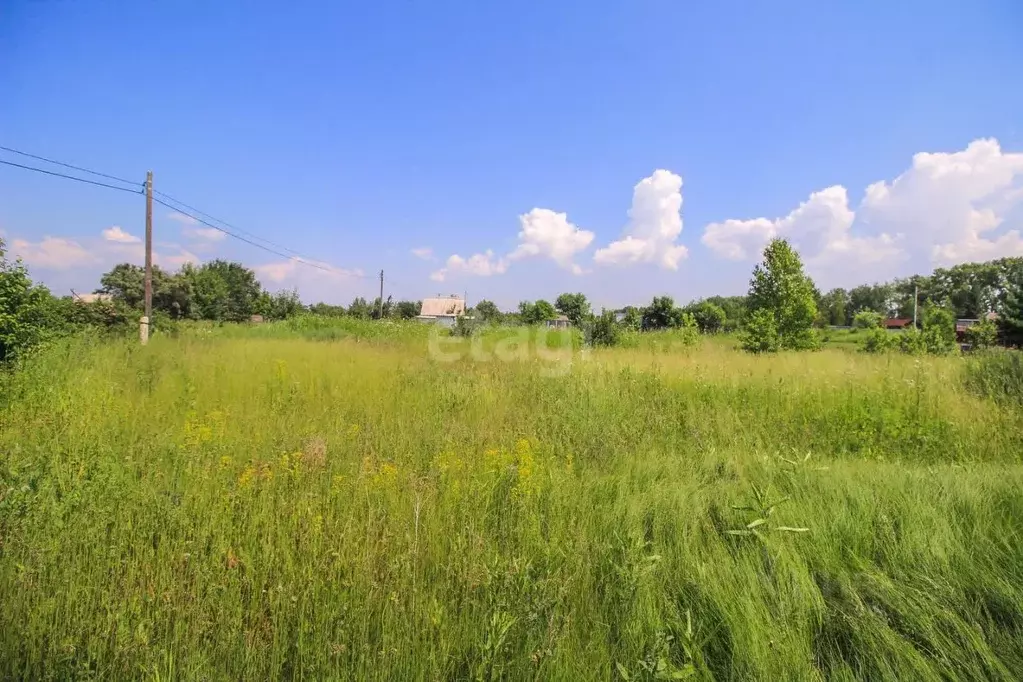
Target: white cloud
{"x": 182, "y": 218}
{"x": 116, "y": 234}
{"x": 548, "y": 233}
{"x": 281, "y": 272}
{"x": 423, "y": 252}
{"x": 480, "y": 264}
{"x": 655, "y": 222}
{"x": 53, "y": 253}
{"x": 946, "y": 208}
{"x": 203, "y": 234}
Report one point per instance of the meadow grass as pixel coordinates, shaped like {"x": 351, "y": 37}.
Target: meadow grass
{"x": 285, "y": 502}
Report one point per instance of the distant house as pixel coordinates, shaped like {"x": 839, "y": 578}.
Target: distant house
{"x": 964, "y": 323}
{"x": 442, "y": 310}
{"x": 559, "y": 322}
{"x": 898, "y": 323}
{"x": 93, "y": 298}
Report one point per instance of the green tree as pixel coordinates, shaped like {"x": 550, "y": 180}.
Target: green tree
{"x": 867, "y": 319}
{"x": 779, "y": 287}
{"x": 536, "y": 312}
{"x": 876, "y": 297}
{"x": 939, "y": 330}
{"x": 406, "y": 310}
{"x": 222, "y": 290}
{"x": 605, "y": 330}
{"x": 984, "y": 334}
{"x": 710, "y": 318}
{"x": 760, "y": 332}
{"x": 327, "y": 310}
{"x": 279, "y": 306}
{"x": 632, "y": 318}
{"x": 575, "y": 307}
{"x": 26, "y": 309}
{"x": 662, "y": 313}
{"x": 734, "y": 307}
{"x": 487, "y": 311}
{"x": 125, "y": 284}
{"x": 835, "y": 307}
{"x": 1010, "y": 317}
{"x": 359, "y": 308}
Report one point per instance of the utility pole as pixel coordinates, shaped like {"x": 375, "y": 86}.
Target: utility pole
{"x": 915, "y": 297}
{"x": 148, "y": 316}
{"x": 380, "y": 309}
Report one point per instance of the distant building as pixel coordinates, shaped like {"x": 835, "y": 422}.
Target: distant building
{"x": 559, "y": 322}
{"x": 93, "y": 298}
{"x": 898, "y": 323}
{"x": 442, "y": 310}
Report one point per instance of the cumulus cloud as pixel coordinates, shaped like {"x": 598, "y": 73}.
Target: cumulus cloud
{"x": 207, "y": 234}
{"x": 423, "y": 252}
{"x": 946, "y": 208}
{"x": 655, "y": 223}
{"x": 479, "y": 264}
{"x": 116, "y": 234}
{"x": 53, "y": 253}
{"x": 281, "y": 272}
{"x": 550, "y": 234}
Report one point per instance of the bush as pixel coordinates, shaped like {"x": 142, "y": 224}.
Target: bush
{"x": 982, "y": 335}
{"x": 867, "y": 319}
{"x": 939, "y": 334}
{"x": 605, "y": 330}
{"x": 689, "y": 330}
{"x": 760, "y": 334}
{"x": 911, "y": 342}
{"x": 880, "y": 341}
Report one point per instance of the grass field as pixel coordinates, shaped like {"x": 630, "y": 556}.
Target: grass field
{"x": 320, "y": 502}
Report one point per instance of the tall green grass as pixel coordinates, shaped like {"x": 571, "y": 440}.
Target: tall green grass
{"x": 253, "y": 504}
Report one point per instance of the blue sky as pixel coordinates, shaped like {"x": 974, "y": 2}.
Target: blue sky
{"x": 355, "y": 133}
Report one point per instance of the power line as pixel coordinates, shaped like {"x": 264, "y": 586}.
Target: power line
{"x": 70, "y": 177}
{"x": 227, "y": 224}
{"x": 297, "y": 259}
{"x": 68, "y": 165}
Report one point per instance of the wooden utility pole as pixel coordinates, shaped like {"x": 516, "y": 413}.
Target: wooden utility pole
{"x": 380, "y": 309}
{"x": 148, "y": 315}
{"x": 916, "y": 295}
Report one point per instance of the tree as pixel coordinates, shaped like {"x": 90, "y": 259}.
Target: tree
{"x": 222, "y": 290}
{"x": 779, "y": 287}
{"x": 710, "y": 318}
{"x": 605, "y": 330}
{"x": 575, "y": 307}
{"x": 536, "y": 312}
{"x": 26, "y": 309}
{"x": 867, "y": 319}
{"x": 406, "y": 310}
{"x": 734, "y": 307}
{"x": 384, "y": 311}
{"x": 835, "y": 307}
{"x": 939, "y": 330}
{"x": 359, "y": 308}
{"x": 1010, "y": 318}
{"x": 487, "y": 311}
{"x": 125, "y": 284}
{"x": 876, "y": 297}
{"x": 632, "y": 318}
{"x": 984, "y": 334}
{"x": 760, "y": 332}
{"x": 327, "y": 310}
{"x": 279, "y": 306}
{"x": 662, "y": 313}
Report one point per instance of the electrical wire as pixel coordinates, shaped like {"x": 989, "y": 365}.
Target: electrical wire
{"x": 71, "y": 177}
{"x": 68, "y": 165}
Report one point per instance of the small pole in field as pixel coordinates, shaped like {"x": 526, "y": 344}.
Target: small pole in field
{"x": 148, "y": 315}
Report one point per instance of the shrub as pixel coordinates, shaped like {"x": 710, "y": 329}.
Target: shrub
{"x": 867, "y": 319}
{"x": 604, "y": 330}
{"x": 911, "y": 342}
{"x": 689, "y": 330}
{"x": 879, "y": 341}
{"x": 760, "y": 334}
{"x": 982, "y": 335}
{"x": 939, "y": 334}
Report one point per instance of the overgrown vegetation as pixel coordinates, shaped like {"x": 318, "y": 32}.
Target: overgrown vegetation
{"x": 249, "y": 502}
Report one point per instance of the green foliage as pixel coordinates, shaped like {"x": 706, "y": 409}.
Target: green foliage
{"x": 710, "y": 318}
{"x": 939, "y": 330}
{"x": 327, "y": 310}
{"x": 996, "y": 374}
{"x": 223, "y": 291}
{"x": 360, "y": 309}
{"x": 867, "y": 319}
{"x": 835, "y": 306}
{"x": 689, "y": 330}
{"x": 1011, "y": 309}
{"x": 605, "y": 330}
{"x": 632, "y": 319}
{"x": 662, "y": 313}
{"x": 874, "y": 297}
{"x": 911, "y": 342}
{"x": 982, "y": 335}
{"x": 172, "y": 293}
{"x": 279, "y": 306}
{"x": 779, "y": 288}
{"x": 880, "y": 340}
{"x": 760, "y": 333}
{"x": 575, "y": 307}
{"x": 487, "y": 311}
{"x": 536, "y": 312}
{"x": 26, "y": 309}
{"x": 407, "y": 310}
